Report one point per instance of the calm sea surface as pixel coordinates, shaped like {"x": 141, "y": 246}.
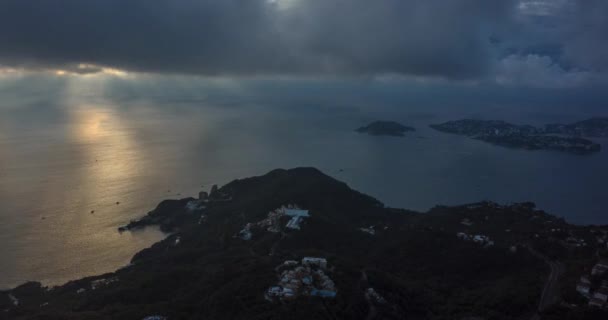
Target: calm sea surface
{"x": 69, "y": 153}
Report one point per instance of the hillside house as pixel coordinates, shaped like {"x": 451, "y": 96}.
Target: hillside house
{"x": 195, "y": 205}
{"x": 479, "y": 239}
{"x": 294, "y": 223}
{"x": 371, "y": 230}
{"x": 297, "y": 216}
{"x": 310, "y": 261}
{"x": 290, "y": 263}
{"x": 297, "y": 213}
{"x": 600, "y": 268}
{"x": 583, "y": 288}
{"x": 246, "y": 233}
{"x": 601, "y": 294}
{"x": 278, "y": 291}
{"x": 467, "y": 222}
{"x": 596, "y": 303}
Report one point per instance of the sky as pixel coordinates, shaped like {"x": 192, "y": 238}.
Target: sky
{"x": 516, "y": 43}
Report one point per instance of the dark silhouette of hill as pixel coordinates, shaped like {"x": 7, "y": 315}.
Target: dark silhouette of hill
{"x": 414, "y": 261}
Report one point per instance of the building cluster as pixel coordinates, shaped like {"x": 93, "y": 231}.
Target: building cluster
{"x": 103, "y": 282}
{"x": 597, "y": 295}
{"x": 13, "y": 299}
{"x": 272, "y": 222}
{"x": 246, "y": 233}
{"x": 308, "y": 278}
{"x": 204, "y": 198}
{"x": 600, "y": 268}
{"x": 370, "y": 230}
{"x": 195, "y": 205}
{"x": 575, "y": 242}
{"x": 199, "y": 205}
{"x": 478, "y": 238}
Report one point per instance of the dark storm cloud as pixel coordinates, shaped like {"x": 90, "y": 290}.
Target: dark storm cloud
{"x": 420, "y": 37}
{"x": 242, "y": 37}
{"x": 586, "y": 38}
{"x": 472, "y": 39}
{"x": 165, "y": 35}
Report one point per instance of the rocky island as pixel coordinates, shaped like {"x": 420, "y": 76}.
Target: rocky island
{"x": 385, "y": 128}
{"x": 298, "y": 244}
{"x": 518, "y": 136}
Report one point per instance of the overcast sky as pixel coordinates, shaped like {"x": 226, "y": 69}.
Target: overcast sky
{"x": 538, "y": 43}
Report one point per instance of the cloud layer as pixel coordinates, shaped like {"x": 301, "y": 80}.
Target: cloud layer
{"x": 464, "y": 39}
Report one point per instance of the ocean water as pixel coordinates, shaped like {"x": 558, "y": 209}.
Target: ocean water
{"x": 69, "y": 151}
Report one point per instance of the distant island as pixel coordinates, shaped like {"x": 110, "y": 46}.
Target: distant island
{"x": 385, "y": 128}
{"x": 525, "y": 136}
{"x": 298, "y": 244}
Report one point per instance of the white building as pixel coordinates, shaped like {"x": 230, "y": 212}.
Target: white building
{"x": 278, "y": 291}
{"x": 290, "y": 263}
{"x": 583, "y": 289}
{"x": 371, "y": 230}
{"x": 246, "y": 233}
{"x": 601, "y": 294}
{"x": 195, "y": 205}
{"x": 462, "y": 235}
{"x": 600, "y": 268}
{"x": 311, "y": 261}
{"x": 294, "y": 223}
{"x": 297, "y": 213}
{"x": 466, "y": 222}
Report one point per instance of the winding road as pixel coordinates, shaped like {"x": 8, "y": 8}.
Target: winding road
{"x": 550, "y": 293}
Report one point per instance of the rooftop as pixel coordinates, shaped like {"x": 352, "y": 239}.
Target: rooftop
{"x": 296, "y": 213}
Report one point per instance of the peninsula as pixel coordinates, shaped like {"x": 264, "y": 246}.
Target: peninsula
{"x": 385, "y": 128}
{"x": 298, "y": 244}
{"x": 519, "y": 136}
